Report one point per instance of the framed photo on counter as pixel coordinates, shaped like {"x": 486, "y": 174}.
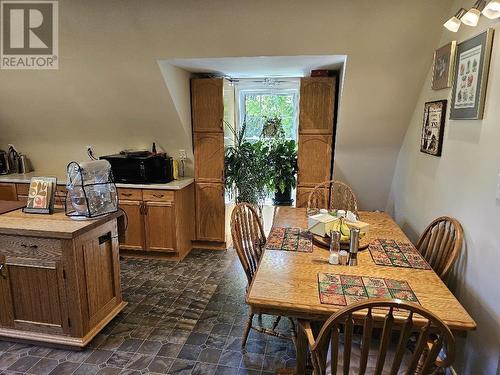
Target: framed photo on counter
{"x": 442, "y": 69}
{"x": 431, "y": 141}
{"x": 471, "y": 77}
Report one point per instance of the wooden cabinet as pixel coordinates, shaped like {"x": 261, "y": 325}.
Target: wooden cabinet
{"x": 134, "y": 235}
{"x": 303, "y": 196}
{"x": 212, "y": 103}
{"x": 207, "y": 104}
{"x": 8, "y": 192}
{"x": 314, "y": 159}
{"x": 210, "y": 167}
{"x": 160, "y": 226}
{"x": 159, "y": 221}
{"x": 210, "y": 212}
{"x": 60, "y": 284}
{"x": 317, "y": 103}
{"x": 316, "y": 134}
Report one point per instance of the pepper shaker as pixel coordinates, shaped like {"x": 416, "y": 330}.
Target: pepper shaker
{"x": 353, "y": 247}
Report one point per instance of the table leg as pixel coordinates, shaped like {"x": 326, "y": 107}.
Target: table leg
{"x": 301, "y": 347}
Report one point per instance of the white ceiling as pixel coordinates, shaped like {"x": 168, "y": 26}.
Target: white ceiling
{"x": 261, "y": 66}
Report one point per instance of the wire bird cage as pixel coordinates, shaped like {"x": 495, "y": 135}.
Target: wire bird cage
{"x": 91, "y": 190}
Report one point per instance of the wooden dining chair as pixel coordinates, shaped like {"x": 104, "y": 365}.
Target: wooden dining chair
{"x": 338, "y": 350}
{"x": 249, "y": 240}
{"x": 333, "y": 195}
{"x": 441, "y": 243}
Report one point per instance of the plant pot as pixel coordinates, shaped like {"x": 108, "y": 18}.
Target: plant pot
{"x": 283, "y": 199}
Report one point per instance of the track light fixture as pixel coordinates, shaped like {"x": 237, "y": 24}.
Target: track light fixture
{"x": 453, "y": 24}
{"x": 492, "y": 10}
{"x": 471, "y": 17}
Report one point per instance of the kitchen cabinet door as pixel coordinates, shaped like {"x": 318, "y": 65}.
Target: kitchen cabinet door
{"x": 8, "y": 192}
{"x": 207, "y": 104}
{"x": 314, "y": 159}
{"x": 38, "y": 295}
{"x": 209, "y": 160}
{"x": 160, "y": 226}
{"x": 210, "y": 212}
{"x": 317, "y": 103}
{"x": 134, "y": 235}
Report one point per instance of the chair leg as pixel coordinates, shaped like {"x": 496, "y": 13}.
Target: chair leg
{"x": 247, "y": 330}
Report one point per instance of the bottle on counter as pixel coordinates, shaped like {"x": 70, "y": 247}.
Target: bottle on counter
{"x": 334, "y": 247}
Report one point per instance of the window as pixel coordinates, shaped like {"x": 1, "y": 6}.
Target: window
{"x": 257, "y": 103}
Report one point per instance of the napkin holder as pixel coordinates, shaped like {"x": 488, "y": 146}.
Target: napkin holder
{"x": 321, "y": 224}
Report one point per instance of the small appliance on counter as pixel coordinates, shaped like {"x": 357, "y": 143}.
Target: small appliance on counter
{"x": 91, "y": 190}
{"x": 140, "y": 167}
{"x": 4, "y": 162}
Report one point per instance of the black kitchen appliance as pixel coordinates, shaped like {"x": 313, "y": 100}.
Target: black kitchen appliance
{"x": 4, "y": 162}
{"x": 140, "y": 167}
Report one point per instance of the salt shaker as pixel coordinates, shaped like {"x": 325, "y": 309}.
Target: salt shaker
{"x": 353, "y": 247}
{"x": 334, "y": 247}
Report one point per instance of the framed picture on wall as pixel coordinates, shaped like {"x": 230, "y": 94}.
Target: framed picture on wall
{"x": 471, "y": 77}
{"x": 442, "y": 68}
{"x": 431, "y": 141}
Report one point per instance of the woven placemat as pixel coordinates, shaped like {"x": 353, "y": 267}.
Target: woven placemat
{"x": 397, "y": 254}
{"x": 290, "y": 239}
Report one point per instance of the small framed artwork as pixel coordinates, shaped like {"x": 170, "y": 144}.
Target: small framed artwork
{"x": 431, "y": 141}
{"x": 471, "y": 77}
{"x": 444, "y": 62}
{"x": 41, "y": 195}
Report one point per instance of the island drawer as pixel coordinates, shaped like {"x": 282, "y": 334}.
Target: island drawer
{"x": 30, "y": 247}
{"x": 23, "y": 189}
{"x": 153, "y": 195}
{"x": 130, "y": 194}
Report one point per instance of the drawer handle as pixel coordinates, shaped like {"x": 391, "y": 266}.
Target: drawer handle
{"x": 127, "y": 194}
{"x": 158, "y": 195}
{"x": 2, "y": 266}
{"x": 30, "y": 246}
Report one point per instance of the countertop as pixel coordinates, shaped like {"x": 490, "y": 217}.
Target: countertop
{"x": 56, "y": 225}
{"x": 179, "y": 184}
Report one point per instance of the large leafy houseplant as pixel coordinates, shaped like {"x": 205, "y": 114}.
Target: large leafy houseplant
{"x": 282, "y": 161}
{"x": 246, "y": 171}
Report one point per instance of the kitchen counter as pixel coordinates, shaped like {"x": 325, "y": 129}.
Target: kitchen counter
{"x": 25, "y": 178}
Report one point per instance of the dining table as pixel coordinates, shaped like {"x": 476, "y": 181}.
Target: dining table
{"x": 286, "y": 282}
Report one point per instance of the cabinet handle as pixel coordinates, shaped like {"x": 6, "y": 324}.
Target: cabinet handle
{"x": 222, "y": 123}
{"x": 2, "y": 266}
{"x": 141, "y": 208}
{"x": 127, "y": 194}
{"x": 30, "y": 246}
{"x": 158, "y": 195}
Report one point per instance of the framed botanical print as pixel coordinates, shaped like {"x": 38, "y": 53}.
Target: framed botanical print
{"x": 431, "y": 141}
{"x": 444, "y": 62}
{"x": 471, "y": 77}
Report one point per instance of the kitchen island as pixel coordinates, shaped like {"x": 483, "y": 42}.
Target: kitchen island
{"x": 59, "y": 278}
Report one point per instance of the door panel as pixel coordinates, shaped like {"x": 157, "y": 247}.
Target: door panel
{"x": 38, "y": 295}
{"x": 134, "y": 235}
{"x": 210, "y": 212}
{"x": 209, "y": 160}
{"x": 317, "y": 103}
{"x": 8, "y": 192}
{"x": 314, "y": 159}
{"x": 160, "y": 226}
{"x": 207, "y": 104}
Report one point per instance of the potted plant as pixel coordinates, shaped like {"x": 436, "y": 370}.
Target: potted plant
{"x": 245, "y": 168}
{"x": 282, "y": 158}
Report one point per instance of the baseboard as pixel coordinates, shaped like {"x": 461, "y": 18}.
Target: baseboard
{"x": 209, "y": 245}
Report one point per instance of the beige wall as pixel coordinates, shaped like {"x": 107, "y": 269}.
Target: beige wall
{"x": 461, "y": 183}
{"x": 110, "y": 93}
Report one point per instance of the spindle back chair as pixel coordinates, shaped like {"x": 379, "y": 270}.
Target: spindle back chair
{"x": 440, "y": 244}
{"x": 249, "y": 240}
{"x": 333, "y": 195}
{"x": 332, "y": 356}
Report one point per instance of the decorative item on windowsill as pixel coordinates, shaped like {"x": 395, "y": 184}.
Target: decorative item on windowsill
{"x": 91, "y": 190}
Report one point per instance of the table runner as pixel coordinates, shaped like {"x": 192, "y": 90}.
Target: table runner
{"x": 290, "y": 239}
{"x": 396, "y": 254}
{"x": 335, "y": 289}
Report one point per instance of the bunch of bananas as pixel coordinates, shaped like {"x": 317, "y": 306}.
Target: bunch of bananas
{"x": 341, "y": 226}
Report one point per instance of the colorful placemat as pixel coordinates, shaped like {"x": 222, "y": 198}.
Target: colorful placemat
{"x": 290, "y": 239}
{"x": 342, "y": 290}
{"x": 397, "y": 254}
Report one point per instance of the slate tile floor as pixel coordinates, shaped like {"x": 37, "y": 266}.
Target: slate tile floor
{"x": 182, "y": 318}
